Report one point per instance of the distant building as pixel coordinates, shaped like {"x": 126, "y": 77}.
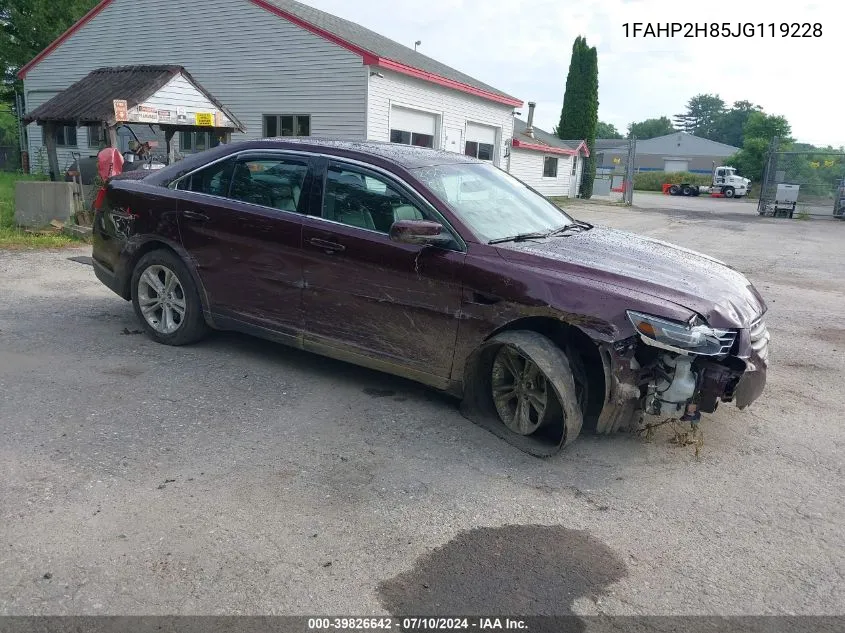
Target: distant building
{"x": 678, "y": 151}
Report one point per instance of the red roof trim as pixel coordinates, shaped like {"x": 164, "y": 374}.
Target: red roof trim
{"x": 398, "y": 67}
{"x": 368, "y": 58}
{"x": 73, "y": 29}
{"x": 548, "y": 149}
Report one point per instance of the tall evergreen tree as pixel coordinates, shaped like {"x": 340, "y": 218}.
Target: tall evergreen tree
{"x": 579, "y": 116}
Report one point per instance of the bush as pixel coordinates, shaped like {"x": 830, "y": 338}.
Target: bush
{"x": 653, "y": 180}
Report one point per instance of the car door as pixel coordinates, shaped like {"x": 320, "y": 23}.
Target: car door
{"x": 241, "y": 222}
{"x": 364, "y": 293}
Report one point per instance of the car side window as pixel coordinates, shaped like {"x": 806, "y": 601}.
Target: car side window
{"x": 277, "y": 183}
{"x": 359, "y": 198}
{"x": 213, "y": 180}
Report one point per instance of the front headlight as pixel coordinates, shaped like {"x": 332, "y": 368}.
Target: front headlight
{"x": 682, "y": 338}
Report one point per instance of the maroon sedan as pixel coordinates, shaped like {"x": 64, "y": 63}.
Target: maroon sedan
{"x": 440, "y": 268}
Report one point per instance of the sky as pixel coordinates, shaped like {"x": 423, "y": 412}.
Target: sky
{"x": 523, "y": 47}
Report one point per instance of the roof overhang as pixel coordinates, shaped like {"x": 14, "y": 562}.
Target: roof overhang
{"x": 122, "y": 95}
{"x": 368, "y": 58}
{"x": 548, "y": 149}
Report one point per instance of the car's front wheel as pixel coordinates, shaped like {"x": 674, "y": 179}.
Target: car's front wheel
{"x": 166, "y": 300}
{"x": 533, "y": 388}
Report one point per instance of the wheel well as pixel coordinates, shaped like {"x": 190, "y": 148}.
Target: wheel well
{"x": 576, "y": 344}
{"x": 143, "y": 249}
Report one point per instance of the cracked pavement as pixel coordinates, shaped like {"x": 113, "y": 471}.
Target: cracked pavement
{"x": 238, "y": 476}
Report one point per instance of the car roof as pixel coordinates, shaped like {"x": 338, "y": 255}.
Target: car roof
{"x": 379, "y": 153}
{"x": 407, "y": 156}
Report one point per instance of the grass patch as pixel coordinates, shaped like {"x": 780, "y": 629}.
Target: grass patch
{"x": 13, "y": 237}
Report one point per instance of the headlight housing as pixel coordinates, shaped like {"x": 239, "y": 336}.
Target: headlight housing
{"x": 682, "y": 338}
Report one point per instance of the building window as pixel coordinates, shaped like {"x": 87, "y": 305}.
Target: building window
{"x": 65, "y": 136}
{"x": 97, "y": 137}
{"x": 549, "y": 167}
{"x": 411, "y": 138}
{"x": 193, "y": 142}
{"x": 286, "y": 125}
{"x": 481, "y": 151}
{"x": 574, "y": 165}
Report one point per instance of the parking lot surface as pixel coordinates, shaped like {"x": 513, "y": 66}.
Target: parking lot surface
{"x": 238, "y": 476}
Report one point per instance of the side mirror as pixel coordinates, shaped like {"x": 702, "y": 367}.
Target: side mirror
{"x": 420, "y": 232}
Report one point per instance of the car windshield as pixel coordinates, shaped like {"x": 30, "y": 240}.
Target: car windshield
{"x": 493, "y": 204}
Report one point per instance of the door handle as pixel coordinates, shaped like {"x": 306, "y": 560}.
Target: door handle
{"x": 195, "y": 216}
{"x": 329, "y": 247}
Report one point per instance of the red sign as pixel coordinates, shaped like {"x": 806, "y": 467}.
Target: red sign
{"x": 121, "y": 112}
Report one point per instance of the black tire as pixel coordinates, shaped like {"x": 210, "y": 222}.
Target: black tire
{"x": 563, "y": 419}
{"x": 191, "y": 326}
{"x": 729, "y": 192}
{"x": 686, "y": 190}
{"x": 674, "y": 190}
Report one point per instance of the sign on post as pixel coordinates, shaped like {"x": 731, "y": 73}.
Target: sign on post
{"x": 121, "y": 111}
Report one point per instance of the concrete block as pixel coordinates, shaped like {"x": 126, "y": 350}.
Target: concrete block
{"x": 36, "y": 203}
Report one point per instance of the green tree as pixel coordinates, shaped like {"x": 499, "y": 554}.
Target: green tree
{"x": 607, "y": 130}
{"x": 579, "y": 116}
{"x": 651, "y": 128}
{"x": 28, "y": 26}
{"x": 729, "y": 127}
{"x": 759, "y": 130}
{"x": 702, "y": 115}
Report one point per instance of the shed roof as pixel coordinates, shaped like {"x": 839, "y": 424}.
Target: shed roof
{"x": 91, "y": 99}
{"x": 375, "y": 49}
{"x": 543, "y": 141}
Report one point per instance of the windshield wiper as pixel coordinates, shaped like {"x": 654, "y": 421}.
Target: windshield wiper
{"x": 521, "y": 237}
{"x": 576, "y": 225}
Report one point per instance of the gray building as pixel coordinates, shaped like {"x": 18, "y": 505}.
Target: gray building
{"x": 674, "y": 152}
{"x": 282, "y": 68}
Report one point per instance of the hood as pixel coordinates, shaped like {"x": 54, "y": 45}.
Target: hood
{"x": 698, "y": 282}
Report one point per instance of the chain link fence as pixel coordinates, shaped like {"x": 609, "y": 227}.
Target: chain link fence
{"x": 802, "y": 183}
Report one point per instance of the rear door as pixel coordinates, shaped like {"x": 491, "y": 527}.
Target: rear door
{"x": 397, "y": 303}
{"x": 241, "y": 221}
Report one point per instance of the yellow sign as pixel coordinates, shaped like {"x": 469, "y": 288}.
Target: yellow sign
{"x": 205, "y": 118}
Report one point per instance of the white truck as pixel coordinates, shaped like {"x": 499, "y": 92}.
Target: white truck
{"x": 725, "y": 182}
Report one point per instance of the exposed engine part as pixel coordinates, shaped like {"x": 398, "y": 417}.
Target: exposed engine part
{"x": 673, "y": 388}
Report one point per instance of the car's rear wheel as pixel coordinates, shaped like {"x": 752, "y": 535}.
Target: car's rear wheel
{"x": 166, "y": 300}
{"x": 533, "y": 389}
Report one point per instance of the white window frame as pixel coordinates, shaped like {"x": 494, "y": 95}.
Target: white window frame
{"x": 557, "y": 166}
{"x": 574, "y": 165}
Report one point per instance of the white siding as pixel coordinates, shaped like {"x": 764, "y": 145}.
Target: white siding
{"x": 453, "y": 108}
{"x": 252, "y": 61}
{"x": 528, "y": 167}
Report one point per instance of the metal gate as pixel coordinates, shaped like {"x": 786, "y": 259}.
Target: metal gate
{"x": 802, "y": 183}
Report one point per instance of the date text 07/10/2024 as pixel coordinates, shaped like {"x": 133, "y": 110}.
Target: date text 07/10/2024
{"x": 418, "y": 624}
{"x": 722, "y": 29}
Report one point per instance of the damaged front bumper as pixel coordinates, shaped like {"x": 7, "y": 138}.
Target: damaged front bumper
{"x": 637, "y": 384}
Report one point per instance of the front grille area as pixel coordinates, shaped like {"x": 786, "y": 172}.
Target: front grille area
{"x": 760, "y": 339}
{"x": 726, "y": 340}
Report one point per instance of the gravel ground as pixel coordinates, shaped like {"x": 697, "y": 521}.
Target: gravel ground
{"x": 241, "y": 477}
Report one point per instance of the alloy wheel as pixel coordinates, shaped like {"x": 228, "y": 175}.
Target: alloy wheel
{"x": 161, "y": 298}
{"x": 520, "y": 391}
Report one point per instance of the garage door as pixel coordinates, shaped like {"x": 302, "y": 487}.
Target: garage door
{"x": 481, "y": 141}
{"x": 675, "y": 164}
{"x": 412, "y": 127}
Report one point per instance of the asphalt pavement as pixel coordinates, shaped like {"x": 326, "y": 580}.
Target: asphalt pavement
{"x": 238, "y": 476}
